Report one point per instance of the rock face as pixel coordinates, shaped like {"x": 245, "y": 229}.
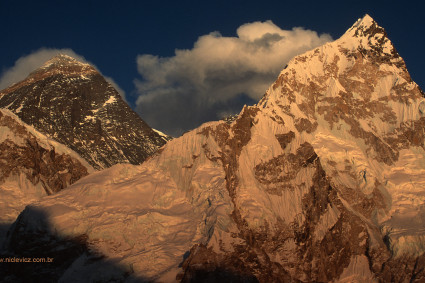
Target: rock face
{"x": 71, "y": 102}
{"x": 31, "y": 166}
{"x": 323, "y": 180}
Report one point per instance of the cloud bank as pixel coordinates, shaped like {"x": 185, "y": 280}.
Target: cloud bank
{"x": 217, "y": 76}
{"x": 28, "y": 63}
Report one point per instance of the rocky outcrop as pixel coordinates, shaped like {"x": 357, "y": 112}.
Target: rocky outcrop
{"x": 32, "y": 166}
{"x": 40, "y": 165}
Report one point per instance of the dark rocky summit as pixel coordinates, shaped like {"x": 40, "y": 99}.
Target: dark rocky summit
{"x": 71, "y": 102}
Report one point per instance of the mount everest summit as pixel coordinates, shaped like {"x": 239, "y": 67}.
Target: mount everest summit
{"x": 72, "y": 102}
{"x": 321, "y": 181}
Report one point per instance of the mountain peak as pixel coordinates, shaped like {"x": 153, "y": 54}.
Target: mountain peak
{"x": 61, "y": 58}
{"x": 60, "y": 64}
{"x": 71, "y": 102}
{"x": 370, "y": 39}
{"x": 366, "y": 27}
{"x": 64, "y": 65}
{"x": 366, "y": 21}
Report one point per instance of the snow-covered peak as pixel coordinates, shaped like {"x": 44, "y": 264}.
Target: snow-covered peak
{"x": 354, "y": 101}
{"x": 365, "y": 27}
{"x": 341, "y": 65}
{"x": 367, "y": 35}
{"x": 363, "y": 24}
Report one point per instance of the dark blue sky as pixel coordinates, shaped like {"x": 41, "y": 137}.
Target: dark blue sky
{"x": 112, "y": 33}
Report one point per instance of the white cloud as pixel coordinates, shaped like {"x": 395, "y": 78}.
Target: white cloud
{"x": 28, "y": 63}
{"x": 217, "y": 75}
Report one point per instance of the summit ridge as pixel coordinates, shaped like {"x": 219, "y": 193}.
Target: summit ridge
{"x": 63, "y": 59}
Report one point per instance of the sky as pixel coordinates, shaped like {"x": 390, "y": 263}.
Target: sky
{"x": 181, "y": 63}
